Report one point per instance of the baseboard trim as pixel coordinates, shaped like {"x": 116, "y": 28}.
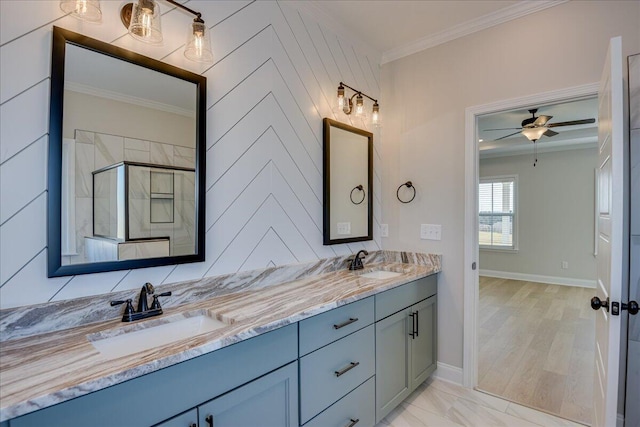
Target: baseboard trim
{"x": 448, "y": 373}
{"x": 550, "y": 280}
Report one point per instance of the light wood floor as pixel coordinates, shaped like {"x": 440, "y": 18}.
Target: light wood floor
{"x": 438, "y": 403}
{"x": 536, "y": 345}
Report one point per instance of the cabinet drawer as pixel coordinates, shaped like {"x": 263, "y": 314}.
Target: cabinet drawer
{"x": 325, "y": 328}
{"x": 396, "y": 299}
{"x": 356, "y": 409}
{"x": 333, "y": 371}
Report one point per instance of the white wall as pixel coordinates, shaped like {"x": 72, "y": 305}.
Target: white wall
{"x": 275, "y": 78}
{"x": 424, "y": 124}
{"x": 555, "y": 215}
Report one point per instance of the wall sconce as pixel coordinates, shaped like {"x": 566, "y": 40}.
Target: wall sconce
{"x": 347, "y": 104}
{"x": 142, "y": 20}
{"x": 86, "y": 10}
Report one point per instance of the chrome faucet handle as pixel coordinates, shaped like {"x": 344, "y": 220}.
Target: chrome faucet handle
{"x": 156, "y": 303}
{"x": 128, "y": 310}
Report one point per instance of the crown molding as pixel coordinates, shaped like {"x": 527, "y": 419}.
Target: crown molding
{"x": 120, "y": 97}
{"x": 501, "y": 16}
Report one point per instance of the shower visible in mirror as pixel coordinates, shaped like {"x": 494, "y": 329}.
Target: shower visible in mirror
{"x": 126, "y": 159}
{"x": 348, "y": 183}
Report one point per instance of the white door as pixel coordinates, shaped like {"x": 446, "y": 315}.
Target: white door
{"x": 611, "y": 128}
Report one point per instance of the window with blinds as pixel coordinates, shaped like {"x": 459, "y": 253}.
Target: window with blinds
{"x": 497, "y": 212}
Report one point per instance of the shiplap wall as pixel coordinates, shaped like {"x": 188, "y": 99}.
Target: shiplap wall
{"x": 275, "y": 77}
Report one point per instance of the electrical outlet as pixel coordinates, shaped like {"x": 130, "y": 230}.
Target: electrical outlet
{"x": 384, "y": 230}
{"x": 565, "y": 265}
{"x": 431, "y": 231}
{"x": 344, "y": 228}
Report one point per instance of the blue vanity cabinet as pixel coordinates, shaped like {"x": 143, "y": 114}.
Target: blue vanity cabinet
{"x": 337, "y": 350}
{"x": 159, "y": 396}
{"x": 406, "y": 341}
{"x": 187, "y": 419}
{"x": 270, "y": 401}
{"x": 356, "y": 409}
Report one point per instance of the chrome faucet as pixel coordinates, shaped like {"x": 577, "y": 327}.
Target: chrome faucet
{"x": 356, "y": 263}
{"x": 143, "y": 305}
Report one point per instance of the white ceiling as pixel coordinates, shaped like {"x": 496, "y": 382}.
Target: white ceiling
{"x": 397, "y": 28}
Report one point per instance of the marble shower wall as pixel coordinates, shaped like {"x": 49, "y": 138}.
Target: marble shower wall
{"x": 97, "y": 150}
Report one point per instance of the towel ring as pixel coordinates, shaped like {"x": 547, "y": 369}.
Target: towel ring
{"x": 364, "y": 194}
{"x": 407, "y": 184}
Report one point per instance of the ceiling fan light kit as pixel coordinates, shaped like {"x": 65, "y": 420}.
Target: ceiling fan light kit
{"x": 534, "y": 127}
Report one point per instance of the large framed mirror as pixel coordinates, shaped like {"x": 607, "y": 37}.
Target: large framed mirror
{"x": 126, "y": 177}
{"x": 348, "y": 183}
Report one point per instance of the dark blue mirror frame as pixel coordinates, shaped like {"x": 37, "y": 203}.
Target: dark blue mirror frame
{"x": 61, "y": 38}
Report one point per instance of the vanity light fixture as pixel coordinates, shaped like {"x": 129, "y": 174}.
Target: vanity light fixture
{"x": 347, "y": 104}
{"x": 86, "y": 10}
{"x": 142, "y": 19}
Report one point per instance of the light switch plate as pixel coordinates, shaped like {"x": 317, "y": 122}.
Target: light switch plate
{"x": 344, "y": 228}
{"x": 430, "y": 231}
{"x": 384, "y": 230}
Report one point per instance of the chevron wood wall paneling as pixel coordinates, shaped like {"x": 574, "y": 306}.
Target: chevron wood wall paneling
{"x": 274, "y": 79}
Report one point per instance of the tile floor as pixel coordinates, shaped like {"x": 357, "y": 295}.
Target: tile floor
{"x": 438, "y": 403}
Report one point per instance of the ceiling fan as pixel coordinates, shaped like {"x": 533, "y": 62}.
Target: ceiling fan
{"x": 534, "y": 127}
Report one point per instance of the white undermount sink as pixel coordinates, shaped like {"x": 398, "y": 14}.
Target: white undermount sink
{"x": 380, "y": 274}
{"x": 131, "y": 339}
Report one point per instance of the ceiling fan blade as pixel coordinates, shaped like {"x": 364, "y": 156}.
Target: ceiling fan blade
{"x": 507, "y": 136}
{"x": 486, "y": 130}
{"x": 541, "y": 120}
{"x": 572, "y": 123}
{"x": 550, "y": 132}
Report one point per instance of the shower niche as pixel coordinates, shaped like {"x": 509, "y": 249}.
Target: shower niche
{"x": 141, "y": 211}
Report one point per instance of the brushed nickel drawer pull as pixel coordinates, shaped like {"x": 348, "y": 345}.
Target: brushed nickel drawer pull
{"x": 353, "y": 422}
{"x": 347, "y": 369}
{"x": 345, "y": 323}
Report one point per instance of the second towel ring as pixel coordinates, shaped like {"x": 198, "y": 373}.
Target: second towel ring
{"x": 364, "y": 194}
{"x": 407, "y": 184}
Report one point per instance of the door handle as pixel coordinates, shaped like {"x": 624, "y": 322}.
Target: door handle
{"x": 632, "y": 307}
{"x": 596, "y": 303}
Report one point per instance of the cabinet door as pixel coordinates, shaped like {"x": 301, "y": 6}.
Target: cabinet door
{"x": 423, "y": 344}
{"x": 392, "y": 361}
{"x": 270, "y": 401}
{"x": 188, "y": 419}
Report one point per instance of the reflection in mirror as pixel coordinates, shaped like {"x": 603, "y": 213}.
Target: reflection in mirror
{"x": 348, "y": 178}
{"x": 125, "y": 164}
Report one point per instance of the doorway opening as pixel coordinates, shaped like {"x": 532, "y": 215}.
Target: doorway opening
{"x": 530, "y": 213}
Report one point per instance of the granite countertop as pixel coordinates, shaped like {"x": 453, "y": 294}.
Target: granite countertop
{"x": 50, "y": 368}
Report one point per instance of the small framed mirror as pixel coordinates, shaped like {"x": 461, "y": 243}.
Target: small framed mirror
{"x": 348, "y": 183}
{"x": 126, "y": 159}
